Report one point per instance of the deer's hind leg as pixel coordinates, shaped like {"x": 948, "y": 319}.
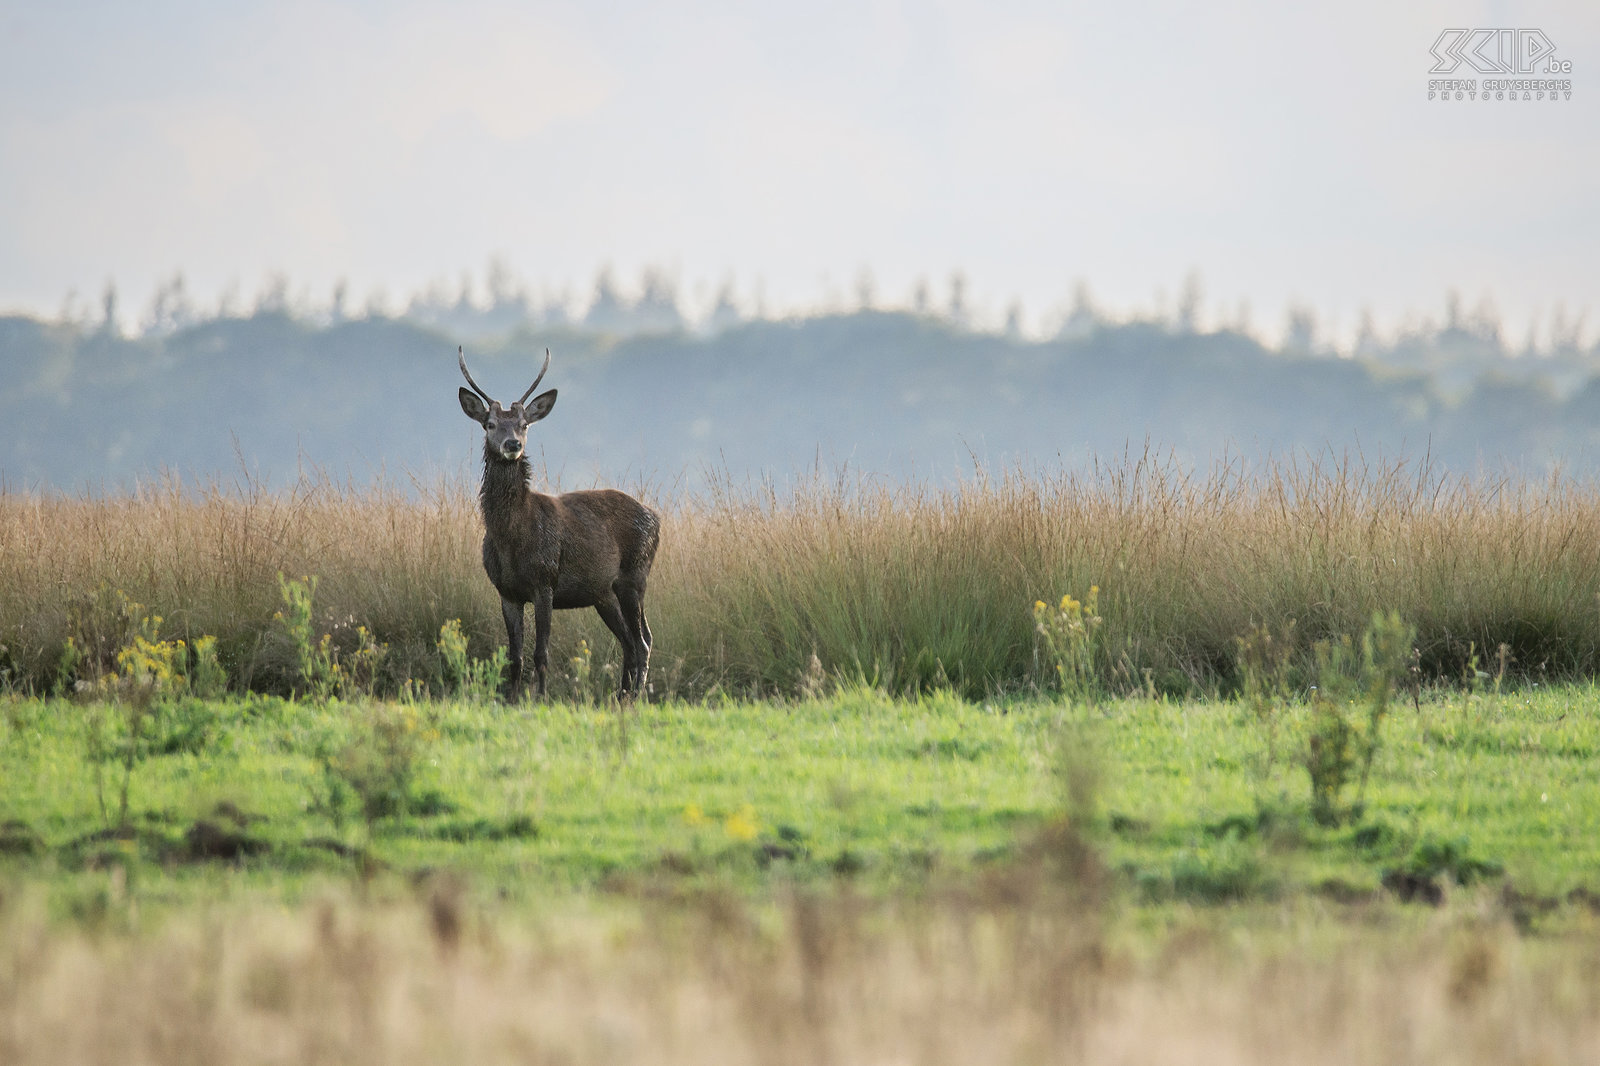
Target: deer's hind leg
{"x": 612, "y": 614}
{"x": 632, "y": 600}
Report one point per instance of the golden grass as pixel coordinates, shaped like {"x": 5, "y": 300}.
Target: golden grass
{"x": 806, "y": 979}
{"x": 913, "y": 586}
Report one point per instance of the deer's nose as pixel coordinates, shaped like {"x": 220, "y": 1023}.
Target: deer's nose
{"x": 511, "y": 449}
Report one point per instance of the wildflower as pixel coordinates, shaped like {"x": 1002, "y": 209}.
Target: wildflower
{"x": 741, "y": 825}
{"x": 1068, "y": 639}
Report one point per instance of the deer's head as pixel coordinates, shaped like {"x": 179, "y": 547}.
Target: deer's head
{"x": 505, "y": 429}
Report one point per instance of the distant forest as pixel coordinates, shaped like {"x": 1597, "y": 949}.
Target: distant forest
{"x": 650, "y": 399}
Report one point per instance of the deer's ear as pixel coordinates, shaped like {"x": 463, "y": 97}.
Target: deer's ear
{"x": 539, "y": 407}
{"x": 473, "y": 406}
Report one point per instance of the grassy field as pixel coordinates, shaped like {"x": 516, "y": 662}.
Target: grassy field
{"x": 852, "y": 877}
{"x": 1182, "y": 801}
{"x": 1301, "y": 767}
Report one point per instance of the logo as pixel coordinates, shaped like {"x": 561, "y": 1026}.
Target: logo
{"x": 1497, "y": 51}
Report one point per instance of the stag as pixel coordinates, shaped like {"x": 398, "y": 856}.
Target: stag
{"x": 578, "y": 549}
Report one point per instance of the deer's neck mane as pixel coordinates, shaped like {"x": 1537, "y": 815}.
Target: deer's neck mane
{"x": 505, "y": 486}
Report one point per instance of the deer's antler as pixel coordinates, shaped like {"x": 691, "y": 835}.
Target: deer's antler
{"x": 461, "y": 357}
{"x": 538, "y": 379}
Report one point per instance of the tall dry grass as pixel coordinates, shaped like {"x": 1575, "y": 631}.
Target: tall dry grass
{"x": 834, "y": 978}
{"x": 908, "y": 586}
{"x": 208, "y": 562}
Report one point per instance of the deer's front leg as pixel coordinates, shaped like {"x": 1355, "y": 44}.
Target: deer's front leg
{"x": 512, "y": 613}
{"x": 543, "y": 604}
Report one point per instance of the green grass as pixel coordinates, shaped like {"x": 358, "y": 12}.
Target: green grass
{"x": 1513, "y": 781}
{"x": 889, "y": 793}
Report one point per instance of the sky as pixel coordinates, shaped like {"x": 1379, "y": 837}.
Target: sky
{"x": 1280, "y": 154}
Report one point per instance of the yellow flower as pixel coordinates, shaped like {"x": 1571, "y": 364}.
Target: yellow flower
{"x": 693, "y": 815}
{"x": 742, "y": 825}
{"x": 1038, "y": 606}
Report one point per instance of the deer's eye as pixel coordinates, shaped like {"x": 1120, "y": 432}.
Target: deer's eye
{"x": 488, "y": 425}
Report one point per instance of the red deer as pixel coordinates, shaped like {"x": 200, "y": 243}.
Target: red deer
{"x": 578, "y": 549}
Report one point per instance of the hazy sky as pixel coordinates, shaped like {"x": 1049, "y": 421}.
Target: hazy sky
{"x": 1283, "y": 153}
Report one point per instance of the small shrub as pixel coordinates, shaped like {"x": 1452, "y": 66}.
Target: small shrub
{"x": 158, "y": 702}
{"x": 316, "y": 662}
{"x": 376, "y": 766}
{"x": 1328, "y": 758}
{"x": 1387, "y": 654}
{"x": 1338, "y": 749}
{"x": 207, "y": 679}
{"x": 295, "y": 618}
